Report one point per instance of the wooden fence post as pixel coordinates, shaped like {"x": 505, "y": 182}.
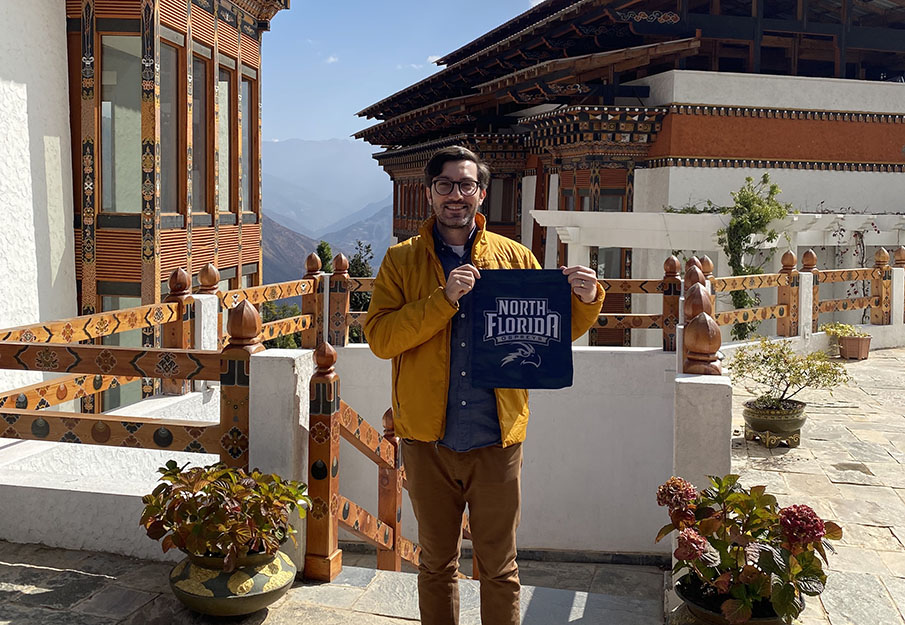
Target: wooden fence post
{"x": 338, "y": 323}
{"x": 178, "y": 334}
{"x": 323, "y": 558}
{"x": 809, "y": 264}
{"x": 672, "y": 291}
{"x": 707, "y": 268}
{"x": 701, "y": 338}
{"x": 880, "y": 287}
{"x": 244, "y": 327}
{"x": 788, "y": 296}
{"x": 389, "y": 500}
{"x": 209, "y": 279}
{"x": 899, "y": 256}
{"x": 313, "y": 303}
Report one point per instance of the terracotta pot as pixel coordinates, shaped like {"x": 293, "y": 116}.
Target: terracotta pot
{"x": 260, "y": 579}
{"x": 706, "y": 615}
{"x": 854, "y": 347}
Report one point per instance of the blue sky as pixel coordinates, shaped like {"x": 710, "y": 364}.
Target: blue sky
{"x": 325, "y": 61}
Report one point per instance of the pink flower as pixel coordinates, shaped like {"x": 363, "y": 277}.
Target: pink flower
{"x": 676, "y": 493}
{"x": 691, "y": 545}
{"x": 801, "y": 525}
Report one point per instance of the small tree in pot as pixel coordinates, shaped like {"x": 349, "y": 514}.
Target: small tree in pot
{"x": 777, "y": 374}
{"x": 853, "y": 344}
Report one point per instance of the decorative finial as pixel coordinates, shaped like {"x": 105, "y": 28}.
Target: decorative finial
{"x": 340, "y": 264}
{"x": 325, "y": 357}
{"x": 808, "y": 260}
{"x": 788, "y": 261}
{"x": 209, "y": 277}
{"x": 179, "y": 282}
{"x": 244, "y": 325}
{"x": 312, "y": 263}
{"x": 693, "y": 275}
{"x": 881, "y": 257}
{"x": 671, "y": 267}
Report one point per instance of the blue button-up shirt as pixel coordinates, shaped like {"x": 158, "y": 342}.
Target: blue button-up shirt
{"x": 471, "y": 413}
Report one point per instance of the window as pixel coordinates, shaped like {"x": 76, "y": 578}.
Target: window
{"x": 249, "y": 124}
{"x": 169, "y": 129}
{"x": 224, "y": 136}
{"x": 610, "y": 200}
{"x": 200, "y": 141}
{"x": 131, "y": 392}
{"x": 120, "y": 154}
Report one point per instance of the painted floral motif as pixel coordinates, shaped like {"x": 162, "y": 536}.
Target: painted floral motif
{"x": 318, "y": 508}
{"x": 158, "y": 315}
{"x": 166, "y": 366}
{"x": 334, "y": 504}
{"x": 195, "y": 447}
{"x": 131, "y": 441}
{"x": 102, "y": 326}
{"x": 320, "y": 433}
{"x": 47, "y": 360}
{"x": 67, "y": 332}
{"x": 11, "y": 433}
{"x": 70, "y": 423}
{"x": 69, "y": 437}
{"x": 105, "y": 361}
{"x": 27, "y": 336}
{"x": 235, "y": 442}
{"x": 132, "y": 319}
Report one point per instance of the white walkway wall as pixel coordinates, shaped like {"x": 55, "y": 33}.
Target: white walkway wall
{"x": 36, "y": 242}
{"x": 594, "y": 455}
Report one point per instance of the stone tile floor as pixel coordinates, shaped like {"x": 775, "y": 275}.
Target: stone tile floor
{"x": 850, "y": 467}
{"x": 44, "y": 586}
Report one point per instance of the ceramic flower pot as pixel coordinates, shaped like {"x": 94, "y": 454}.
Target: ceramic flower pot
{"x": 854, "y": 347}
{"x": 708, "y": 612}
{"x": 774, "y": 425}
{"x": 203, "y": 586}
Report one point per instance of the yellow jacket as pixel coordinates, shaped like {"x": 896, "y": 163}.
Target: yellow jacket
{"x": 408, "y": 321}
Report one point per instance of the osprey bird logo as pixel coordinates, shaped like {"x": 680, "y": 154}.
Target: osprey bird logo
{"x": 525, "y": 352}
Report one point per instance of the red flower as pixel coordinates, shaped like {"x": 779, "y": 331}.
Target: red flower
{"x": 676, "y": 493}
{"x": 801, "y": 525}
{"x": 691, "y": 545}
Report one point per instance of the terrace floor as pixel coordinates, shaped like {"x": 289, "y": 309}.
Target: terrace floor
{"x": 850, "y": 467}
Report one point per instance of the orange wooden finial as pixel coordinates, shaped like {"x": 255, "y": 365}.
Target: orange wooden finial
{"x": 808, "y": 260}
{"x": 899, "y": 255}
{"x": 312, "y": 263}
{"x": 693, "y": 275}
{"x": 702, "y": 341}
{"x": 340, "y": 263}
{"x": 881, "y": 257}
{"x": 788, "y": 261}
{"x": 671, "y": 267}
{"x": 389, "y": 424}
{"x": 695, "y": 261}
{"x": 244, "y": 325}
{"x": 209, "y": 277}
{"x": 707, "y": 266}
{"x": 325, "y": 357}
{"x": 179, "y": 282}
{"x": 697, "y": 300}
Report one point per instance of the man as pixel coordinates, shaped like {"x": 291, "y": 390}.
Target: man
{"x": 461, "y": 444}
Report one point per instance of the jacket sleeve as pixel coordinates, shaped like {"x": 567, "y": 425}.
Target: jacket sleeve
{"x": 584, "y": 315}
{"x": 393, "y": 325}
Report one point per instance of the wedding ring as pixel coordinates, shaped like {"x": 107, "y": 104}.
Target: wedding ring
{"x": 581, "y": 283}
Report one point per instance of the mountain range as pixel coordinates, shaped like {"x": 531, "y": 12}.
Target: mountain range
{"x": 321, "y": 190}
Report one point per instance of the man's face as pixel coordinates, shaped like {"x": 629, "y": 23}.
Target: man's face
{"x": 456, "y": 210}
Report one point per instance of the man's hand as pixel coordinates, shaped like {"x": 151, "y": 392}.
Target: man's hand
{"x": 583, "y": 281}
{"x": 461, "y": 281}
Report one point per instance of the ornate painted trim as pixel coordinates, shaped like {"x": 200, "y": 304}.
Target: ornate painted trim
{"x": 686, "y": 161}
{"x": 776, "y": 113}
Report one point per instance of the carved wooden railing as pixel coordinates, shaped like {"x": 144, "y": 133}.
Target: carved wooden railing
{"x": 331, "y": 419}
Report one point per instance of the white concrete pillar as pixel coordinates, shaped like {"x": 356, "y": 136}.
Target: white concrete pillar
{"x": 579, "y": 255}
{"x": 898, "y": 296}
{"x": 278, "y": 423}
{"x": 552, "y": 237}
{"x": 207, "y": 315}
{"x": 529, "y": 190}
{"x": 805, "y": 304}
{"x": 702, "y": 427}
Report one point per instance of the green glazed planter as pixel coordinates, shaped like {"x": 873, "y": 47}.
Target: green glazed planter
{"x": 201, "y": 584}
{"x": 773, "y": 426}
{"x": 712, "y": 617}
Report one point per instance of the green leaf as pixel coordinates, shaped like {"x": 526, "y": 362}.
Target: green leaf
{"x": 833, "y": 531}
{"x": 785, "y": 600}
{"x": 664, "y": 531}
{"x": 736, "y": 611}
{"x": 770, "y": 559}
{"x": 810, "y": 585}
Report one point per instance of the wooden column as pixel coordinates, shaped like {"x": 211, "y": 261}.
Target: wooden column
{"x": 323, "y": 558}
{"x": 881, "y": 286}
{"x": 809, "y": 263}
{"x": 389, "y": 500}
{"x": 788, "y": 297}
{"x": 244, "y": 327}
{"x": 337, "y": 324}
{"x": 313, "y": 303}
{"x": 90, "y": 163}
{"x": 178, "y": 334}
{"x": 672, "y": 290}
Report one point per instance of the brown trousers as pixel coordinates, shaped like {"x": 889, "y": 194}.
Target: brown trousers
{"x": 441, "y": 483}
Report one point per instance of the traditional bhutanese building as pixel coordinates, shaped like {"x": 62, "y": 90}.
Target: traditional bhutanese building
{"x": 129, "y": 146}
{"x": 634, "y": 106}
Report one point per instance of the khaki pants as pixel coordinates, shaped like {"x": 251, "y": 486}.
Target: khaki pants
{"x": 441, "y": 483}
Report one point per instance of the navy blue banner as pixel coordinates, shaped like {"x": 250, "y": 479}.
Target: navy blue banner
{"x": 522, "y": 331}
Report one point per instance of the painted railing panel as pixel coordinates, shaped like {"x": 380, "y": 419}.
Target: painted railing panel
{"x": 60, "y": 390}
{"x": 93, "y": 326}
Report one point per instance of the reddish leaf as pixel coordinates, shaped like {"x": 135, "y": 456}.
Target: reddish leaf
{"x": 722, "y": 582}
{"x": 833, "y": 531}
{"x": 736, "y": 611}
{"x": 664, "y": 531}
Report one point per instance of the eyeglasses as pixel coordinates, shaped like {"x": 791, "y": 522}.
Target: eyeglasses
{"x": 445, "y": 187}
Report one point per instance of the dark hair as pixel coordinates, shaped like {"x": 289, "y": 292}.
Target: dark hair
{"x": 434, "y": 166}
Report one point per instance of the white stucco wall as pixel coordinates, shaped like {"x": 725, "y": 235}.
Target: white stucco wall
{"x": 591, "y": 449}
{"x": 759, "y": 90}
{"x": 36, "y": 242}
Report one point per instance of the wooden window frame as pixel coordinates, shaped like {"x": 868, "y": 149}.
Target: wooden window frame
{"x": 232, "y": 132}
{"x": 252, "y": 150}
{"x": 208, "y": 148}
{"x": 181, "y": 130}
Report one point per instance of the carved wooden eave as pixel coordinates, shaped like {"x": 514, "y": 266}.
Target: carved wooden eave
{"x": 614, "y": 133}
{"x": 503, "y": 152}
{"x": 263, "y": 10}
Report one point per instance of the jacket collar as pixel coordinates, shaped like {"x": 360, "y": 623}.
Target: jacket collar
{"x": 426, "y": 231}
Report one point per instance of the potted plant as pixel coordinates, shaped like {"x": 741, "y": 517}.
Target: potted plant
{"x": 231, "y": 524}
{"x": 745, "y": 559}
{"x": 778, "y": 374}
{"x": 853, "y": 343}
